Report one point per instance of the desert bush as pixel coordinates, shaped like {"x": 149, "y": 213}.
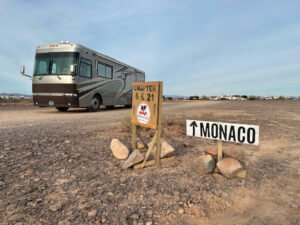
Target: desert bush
{"x": 253, "y": 97}
{"x": 204, "y": 98}
{"x": 194, "y": 97}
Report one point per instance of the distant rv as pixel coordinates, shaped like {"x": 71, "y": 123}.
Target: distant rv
{"x": 68, "y": 75}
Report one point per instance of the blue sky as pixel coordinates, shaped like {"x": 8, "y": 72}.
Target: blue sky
{"x": 194, "y": 47}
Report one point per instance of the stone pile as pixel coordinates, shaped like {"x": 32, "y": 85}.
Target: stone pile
{"x": 120, "y": 151}
{"x": 229, "y": 166}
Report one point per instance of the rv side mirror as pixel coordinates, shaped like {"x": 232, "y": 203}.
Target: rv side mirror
{"x": 73, "y": 68}
{"x": 22, "y": 70}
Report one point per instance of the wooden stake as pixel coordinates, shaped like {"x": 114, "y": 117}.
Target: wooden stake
{"x": 158, "y": 148}
{"x": 153, "y": 162}
{"x": 133, "y": 137}
{"x": 220, "y": 151}
{"x": 151, "y": 145}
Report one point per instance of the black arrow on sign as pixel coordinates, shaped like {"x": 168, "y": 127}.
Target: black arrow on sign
{"x": 194, "y": 125}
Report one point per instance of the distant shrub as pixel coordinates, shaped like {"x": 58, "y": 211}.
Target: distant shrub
{"x": 194, "y": 97}
{"x": 204, "y": 98}
{"x": 253, "y": 97}
{"x": 282, "y": 98}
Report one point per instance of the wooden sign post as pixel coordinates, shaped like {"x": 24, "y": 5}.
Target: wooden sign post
{"x": 146, "y": 112}
{"x": 220, "y": 150}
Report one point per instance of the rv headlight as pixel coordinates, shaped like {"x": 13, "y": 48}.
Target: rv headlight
{"x": 70, "y": 95}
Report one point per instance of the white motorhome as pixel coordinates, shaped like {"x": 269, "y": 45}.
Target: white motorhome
{"x": 68, "y": 75}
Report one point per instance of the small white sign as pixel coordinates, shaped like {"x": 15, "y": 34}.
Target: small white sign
{"x": 239, "y": 133}
{"x": 143, "y": 113}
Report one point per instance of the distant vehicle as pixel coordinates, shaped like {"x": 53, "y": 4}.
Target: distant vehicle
{"x": 68, "y": 75}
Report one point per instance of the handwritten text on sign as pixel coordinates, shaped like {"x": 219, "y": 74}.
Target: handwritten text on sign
{"x": 239, "y": 133}
{"x": 145, "y": 103}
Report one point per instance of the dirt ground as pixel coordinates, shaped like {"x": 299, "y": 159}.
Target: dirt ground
{"x": 57, "y": 168}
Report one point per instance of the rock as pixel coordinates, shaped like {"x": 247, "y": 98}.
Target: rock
{"x": 110, "y": 193}
{"x": 56, "y": 207}
{"x": 166, "y": 149}
{"x": 149, "y": 214}
{"x": 139, "y": 144}
{"x": 294, "y": 206}
{"x": 134, "y": 217}
{"x": 242, "y": 174}
{"x": 64, "y": 222}
{"x": 181, "y": 211}
{"x": 92, "y": 213}
{"x": 203, "y": 213}
{"x": 119, "y": 150}
{"x": 19, "y": 223}
{"x": 28, "y": 171}
{"x": 16, "y": 217}
{"x": 229, "y": 167}
{"x": 187, "y": 144}
{"x": 149, "y": 223}
{"x": 83, "y": 205}
{"x": 212, "y": 151}
{"x": 207, "y": 164}
{"x": 134, "y": 158}
{"x": 61, "y": 181}
{"x": 233, "y": 153}
{"x": 197, "y": 211}
{"x": 228, "y": 204}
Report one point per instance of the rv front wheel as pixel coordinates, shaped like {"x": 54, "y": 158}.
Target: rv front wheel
{"x": 62, "y": 109}
{"x": 94, "y": 105}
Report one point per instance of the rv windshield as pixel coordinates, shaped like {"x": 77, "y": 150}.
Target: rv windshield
{"x": 57, "y": 63}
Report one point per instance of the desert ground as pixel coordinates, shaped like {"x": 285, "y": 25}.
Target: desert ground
{"x": 57, "y": 168}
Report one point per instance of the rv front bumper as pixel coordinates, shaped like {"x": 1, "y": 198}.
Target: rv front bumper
{"x": 63, "y": 100}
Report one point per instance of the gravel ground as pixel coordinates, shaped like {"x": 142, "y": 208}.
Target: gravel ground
{"x": 57, "y": 168}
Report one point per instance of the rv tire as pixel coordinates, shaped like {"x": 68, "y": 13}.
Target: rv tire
{"x": 95, "y": 104}
{"x": 62, "y": 109}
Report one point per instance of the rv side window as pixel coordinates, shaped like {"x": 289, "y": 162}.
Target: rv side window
{"x": 85, "y": 68}
{"x": 104, "y": 71}
{"x": 108, "y": 72}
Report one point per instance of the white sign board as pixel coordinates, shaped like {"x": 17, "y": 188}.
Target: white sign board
{"x": 239, "y": 133}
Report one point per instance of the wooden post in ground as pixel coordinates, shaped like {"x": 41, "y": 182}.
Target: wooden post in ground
{"x": 151, "y": 146}
{"x": 158, "y": 146}
{"x": 133, "y": 137}
{"x": 220, "y": 151}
